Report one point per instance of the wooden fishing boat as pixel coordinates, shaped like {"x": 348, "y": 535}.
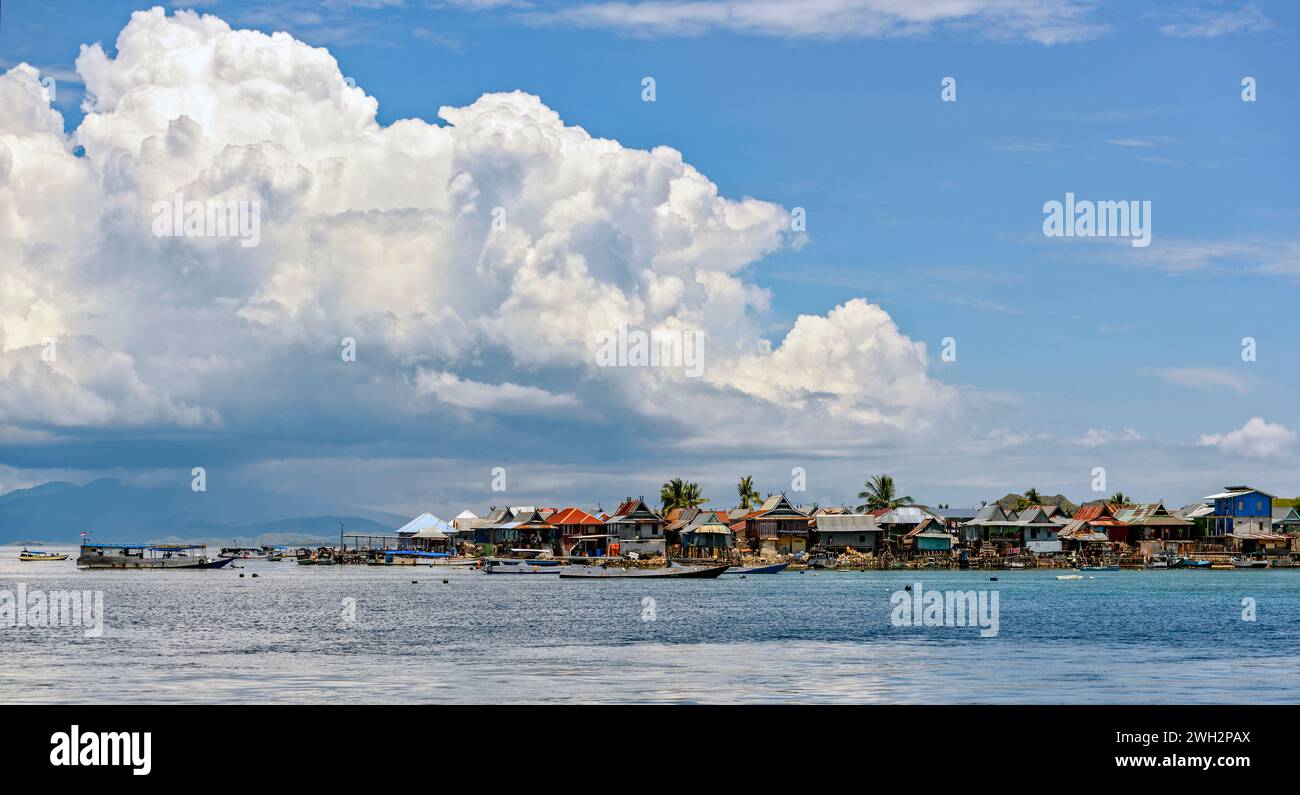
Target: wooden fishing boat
{"x": 406, "y": 557}
{"x": 33, "y": 555}
{"x": 1249, "y": 563}
{"x": 148, "y": 556}
{"x": 775, "y": 568}
{"x": 672, "y": 570}
{"x": 243, "y": 553}
{"x": 321, "y": 557}
{"x": 515, "y": 566}
{"x": 821, "y": 559}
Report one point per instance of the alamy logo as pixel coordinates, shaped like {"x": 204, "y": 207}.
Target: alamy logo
{"x": 658, "y": 348}
{"x": 103, "y": 749}
{"x": 37, "y": 608}
{"x": 1084, "y": 218}
{"x": 915, "y": 607}
{"x": 212, "y": 218}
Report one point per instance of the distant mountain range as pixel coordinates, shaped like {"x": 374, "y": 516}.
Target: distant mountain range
{"x": 113, "y": 511}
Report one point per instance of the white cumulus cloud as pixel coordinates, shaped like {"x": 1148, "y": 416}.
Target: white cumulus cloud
{"x": 1255, "y": 439}
{"x": 475, "y": 261}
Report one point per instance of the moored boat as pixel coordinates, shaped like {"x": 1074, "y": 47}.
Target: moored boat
{"x": 1189, "y": 563}
{"x": 1099, "y": 568}
{"x": 320, "y": 557}
{"x": 821, "y": 559}
{"x": 147, "y": 556}
{"x": 1243, "y": 562}
{"x": 775, "y": 568}
{"x": 243, "y": 553}
{"x": 672, "y": 570}
{"x": 407, "y": 557}
{"x": 515, "y": 566}
{"x": 33, "y": 555}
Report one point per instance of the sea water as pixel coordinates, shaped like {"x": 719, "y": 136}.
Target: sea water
{"x": 369, "y": 634}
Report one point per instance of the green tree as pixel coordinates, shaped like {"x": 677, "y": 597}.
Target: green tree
{"x": 749, "y": 496}
{"x": 677, "y": 493}
{"x": 879, "y": 492}
{"x": 1118, "y": 498}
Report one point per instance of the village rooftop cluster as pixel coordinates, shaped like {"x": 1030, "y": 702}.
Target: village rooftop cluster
{"x": 885, "y": 530}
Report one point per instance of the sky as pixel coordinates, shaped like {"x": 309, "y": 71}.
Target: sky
{"x": 478, "y": 194}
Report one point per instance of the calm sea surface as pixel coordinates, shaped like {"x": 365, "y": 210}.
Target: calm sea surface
{"x": 1160, "y": 636}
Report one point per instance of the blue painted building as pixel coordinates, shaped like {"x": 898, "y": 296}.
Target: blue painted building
{"x": 1240, "y": 511}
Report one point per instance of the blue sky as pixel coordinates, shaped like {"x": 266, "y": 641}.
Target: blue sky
{"x": 930, "y": 210}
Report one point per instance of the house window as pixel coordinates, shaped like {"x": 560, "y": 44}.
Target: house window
{"x": 862, "y": 539}
{"x": 1241, "y": 505}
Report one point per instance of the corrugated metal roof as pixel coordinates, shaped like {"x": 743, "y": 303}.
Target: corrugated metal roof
{"x": 848, "y": 523}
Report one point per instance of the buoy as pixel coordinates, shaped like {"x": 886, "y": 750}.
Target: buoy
{"x": 415, "y": 582}
{"x": 444, "y": 582}
{"x": 907, "y": 587}
{"x": 993, "y": 579}
{"x": 254, "y": 574}
{"x": 241, "y": 576}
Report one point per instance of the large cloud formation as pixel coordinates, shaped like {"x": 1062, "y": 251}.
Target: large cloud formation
{"x": 475, "y": 263}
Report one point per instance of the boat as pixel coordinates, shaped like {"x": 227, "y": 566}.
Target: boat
{"x": 320, "y": 557}
{"x": 243, "y": 553}
{"x": 148, "y": 556}
{"x": 1069, "y": 576}
{"x": 515, "y": 566}
{"x": 277, "y": 554}
{"x": 1188, "y": 563}
{"x": 1221, "y": 566}
{"x": 671, "y": 570}
{"x": 1243, "y": 562}
{"x": 458, "y": 562}
{"x": 1099, "y": 568}
{"x": 33, "y": 555}
{"x": 775, "y": 568}
{"x": 406, "y": 557}
{"x": 525, "y": 552}
{"x": 821, "y": 559}
{"x": 1015, "y": 564}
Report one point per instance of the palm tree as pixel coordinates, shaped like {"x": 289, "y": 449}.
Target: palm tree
{"x": 879, "y": 493}
{"x": 748, "y": 494}
{"x": 1032, "y": 497}
{"x": 677, "y": 493}
{"x": 1118, "y": 498}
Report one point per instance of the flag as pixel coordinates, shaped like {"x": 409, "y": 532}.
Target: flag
{"x": 85, "y": 533}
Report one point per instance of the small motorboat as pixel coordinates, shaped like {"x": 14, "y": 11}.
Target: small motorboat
{"x": 513, "y": 566}
{"x": 775, "y": 568}
{"x": 1188, "y": 563}
{"x": 1099, "y": 568}
{"x": 243, "y": 553}
{"x": 821, "y": 559}
{"x": 34, "y": 555}
{"x": 1069, "y": 576}
{"x": 671, "y": 570}
{"x": 1249, "y": 563}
